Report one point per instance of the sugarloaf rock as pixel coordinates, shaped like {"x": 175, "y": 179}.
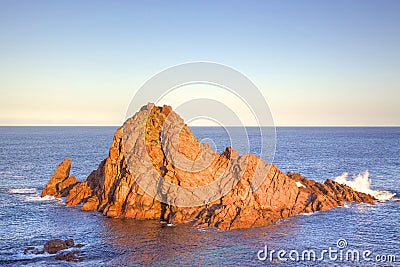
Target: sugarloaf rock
{"x": 139, "y": 178}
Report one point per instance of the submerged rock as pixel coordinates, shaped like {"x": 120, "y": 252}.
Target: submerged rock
{"x": 256, "y": 193}
{"x": 32, "y": 250}
{"x": 69, "y": 256}
{"x": 55, "y": 245}
{"x": 69, "y": 242}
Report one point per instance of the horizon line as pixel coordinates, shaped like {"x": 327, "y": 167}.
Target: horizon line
{"x": 80, "y": 125}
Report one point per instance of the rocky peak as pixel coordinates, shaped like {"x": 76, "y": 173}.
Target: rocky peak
{"x": 157, "y": 169}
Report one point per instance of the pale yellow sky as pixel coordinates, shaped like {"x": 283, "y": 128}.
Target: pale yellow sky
{"x": 104, "y": 104}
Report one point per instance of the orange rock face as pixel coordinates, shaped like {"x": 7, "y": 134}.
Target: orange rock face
{"x": 157, "y": 169}
{"x": 60, "y": 183}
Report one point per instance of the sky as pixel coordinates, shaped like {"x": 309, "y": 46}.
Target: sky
{"x": 317, "y": 63}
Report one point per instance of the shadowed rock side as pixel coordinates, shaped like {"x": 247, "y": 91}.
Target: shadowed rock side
{"x": 113, "y": 188}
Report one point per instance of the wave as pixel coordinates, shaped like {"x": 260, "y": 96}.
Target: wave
{"x": 308, "y": 213}
{"x": 38, "y": 198}
{"x": 24, "y": 191}
{"x": 362, "y": 183}
{"x": 33, "y": 195}
{"x": 30, "y": 255}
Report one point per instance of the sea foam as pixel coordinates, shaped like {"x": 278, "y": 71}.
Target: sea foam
{"x": 38, "y": 198}
{"x": 32, "y": 195}
{"x": 23, "y": 191}
{"x": 362, "y": 183}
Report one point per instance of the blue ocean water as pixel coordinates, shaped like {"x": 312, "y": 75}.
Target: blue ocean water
{"x": 29, "y": 156}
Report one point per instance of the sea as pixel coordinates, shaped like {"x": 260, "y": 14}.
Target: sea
{"x": 366, "y": 158}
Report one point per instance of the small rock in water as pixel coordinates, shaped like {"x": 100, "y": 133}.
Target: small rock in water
{"x": 69, "y": 256}
{"x": 54, "y": 246}
{"x": 29, "y": 250}
{"x": 32, "y": 250}
{"x": 69, "y": 242}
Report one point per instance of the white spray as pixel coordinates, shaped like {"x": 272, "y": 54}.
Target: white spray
{"x": 362, "y": 183}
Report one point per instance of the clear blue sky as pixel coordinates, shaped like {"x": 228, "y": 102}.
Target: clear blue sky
{"x": 316, "y": 62}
